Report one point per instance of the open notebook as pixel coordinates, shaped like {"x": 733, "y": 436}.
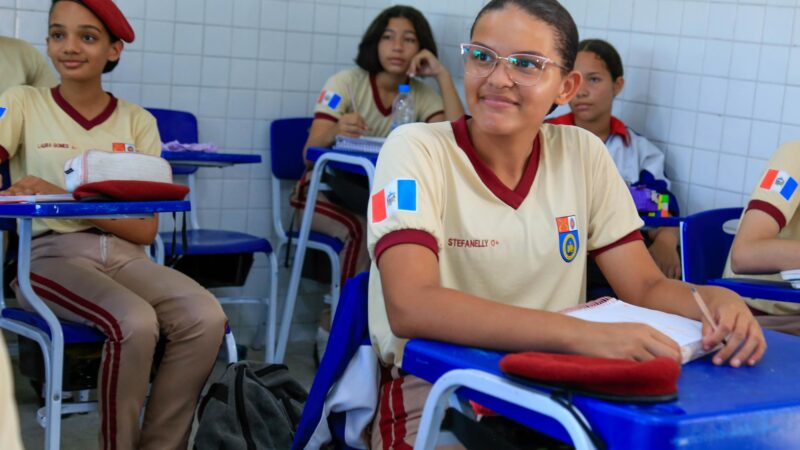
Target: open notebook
{"x": 361, "y": 144}
{"x": 686, "y": 332}
{"x": 792, "y": 276}
{"x": 40, "y": 198}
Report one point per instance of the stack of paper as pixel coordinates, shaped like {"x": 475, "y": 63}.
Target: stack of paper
{"x": 40, "y": 198}
{"x": 792, "y": 276}
{"x": 362, "y": 144}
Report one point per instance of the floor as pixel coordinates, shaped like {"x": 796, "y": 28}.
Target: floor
{"x": 77, "y": 429}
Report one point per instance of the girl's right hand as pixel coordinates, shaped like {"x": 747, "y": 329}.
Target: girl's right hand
{"x": 352, "y": 125}
{"x": 631, "y": 341}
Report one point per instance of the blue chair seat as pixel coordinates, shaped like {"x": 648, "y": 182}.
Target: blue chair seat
{"x": 216, "y": 242}
{"x": 74, "y": 333}
{"x": 183, "y": 170}
{"x": 319, "y": 238}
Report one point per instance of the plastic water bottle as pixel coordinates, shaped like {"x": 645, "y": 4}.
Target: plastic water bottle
{"x": 403, "y": 107}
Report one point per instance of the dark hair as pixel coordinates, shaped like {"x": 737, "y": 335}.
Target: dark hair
{"x": 110, "y": 65}
{"x": 367, "y": 57}
{"x": 550, "y": 12}
{"x": 606, "y": 52}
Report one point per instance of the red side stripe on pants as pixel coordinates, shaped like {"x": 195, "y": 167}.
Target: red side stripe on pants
{"x": 59, "y": 295}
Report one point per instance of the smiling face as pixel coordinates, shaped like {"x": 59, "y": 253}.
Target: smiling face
{"x": 596, "y": 94}
{"x": 500, "y": 106}
{"x": 397, "y": 46}
{"x": 78, "y": 43}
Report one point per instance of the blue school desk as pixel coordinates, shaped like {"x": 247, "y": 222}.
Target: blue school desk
{"x": 754, "y": 288}
{"x": 357, "y": 162}
{"x": 207, "y": 159}
{"x": 25, "y": 213}
{"x": 717, "y": 407}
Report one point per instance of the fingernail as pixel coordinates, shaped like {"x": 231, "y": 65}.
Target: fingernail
{"x": 736, "y": 363}
{"x": 717, "y": 361}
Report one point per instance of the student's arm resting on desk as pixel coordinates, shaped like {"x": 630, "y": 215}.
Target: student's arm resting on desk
{"x": 138, "y": 231}
{"x": 636, "y": 279}
{"x": 664, "y": 251}
{"x": 419, "y": 307}
{"x": 757, "y": 249}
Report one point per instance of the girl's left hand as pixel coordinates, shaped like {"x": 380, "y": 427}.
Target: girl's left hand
{"x": 425, "y": 64}
{"x": 31, "y": 185}
{"x": 744, "y": 342}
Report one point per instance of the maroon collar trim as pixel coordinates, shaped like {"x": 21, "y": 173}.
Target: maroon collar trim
{"x": 512, "y": 198}
{"x": 617, "y": 127}
{"x": 373, "y": 82}
{"x": 77, "y": 117}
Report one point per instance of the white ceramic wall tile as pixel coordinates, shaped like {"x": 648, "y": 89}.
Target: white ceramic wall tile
{"x": 714, "y": 94}
{"x": 704, "y": 168}
{"x": 216, "y": 72}
{"x": 662, "y": 88}
{"x": 133, "y": 8}
{"x": 749, "y": 23}
{"x": 272, "y": 44}
{"x": 351, "y": 21}
{"x": 599, "y": 15}
{"x": 188, "y": 38}
{"x": 769, "y": 101}
{"x": 7, "y": 18}
{"x": 708, "y": 133}
{"x": 789, "y": 133}
{"x": 753, "y": 173}
{"x": 740, "y": 98}
{"x": 640, "y": 53}
{"x": 190, "y": 11}
{"x": 300, "y": 16}
{"x": 791, "y": 106}
{"x": 219, "y": 12}
{"x": 186, "y": 70}
{"x": 679, "y": 163}
{"x": 763, "y": 139}
{"x": 687, "y": 91}
{"x": 670, "y": 14}
{"x": 243, "y": 73}
{"x": 700, "y": 198}
{"x": 773, "y": 64}
{"x": 665, "y": 52}
{"x": 745, "y": 60}
{"x": 735, "y": 136}
{"x": 217, "y": 40}
{"x": 778, "y": 25}
{"x": 246, "y": 13}
{"x": 185, "y": 98}
{"x": 31, "y": 26}
{"x": 731, "y": 172}
{"x": 717, "y": 60}
{"x": 298, "y": 47}
{"x": 721, "y": 20}
{"x": 691, "y": 55}
{"x": 682, "y": 127}
{"x": 157, "y": 68}
{"x": 245, "y": 43}
{"x": 695, "y": 18}
{"x": 241, "y": 103}
{"x": 726, "y": 199}
{"x": 644, "y": 15}
{"x": 160, "y": 10}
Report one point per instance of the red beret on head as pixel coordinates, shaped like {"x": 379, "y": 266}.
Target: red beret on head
{"x": 112, "y": 18}
{"x": 613, "y": 379}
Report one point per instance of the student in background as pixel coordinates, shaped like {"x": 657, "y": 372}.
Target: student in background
{"x": 22, "y": 65}
{"x": 768, "y": 238}
{"x": 397, "y": 47}
{"x": 495, "y": 217}
{"x": 636, "y": 158}
{"x": 95, "y": 271}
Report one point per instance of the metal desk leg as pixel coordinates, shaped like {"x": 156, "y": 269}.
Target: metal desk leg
{"x": 54, "y": 351}
{"x": 302, "y": 239}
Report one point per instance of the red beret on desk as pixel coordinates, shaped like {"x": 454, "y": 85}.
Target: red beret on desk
{"x": 112, "y": 18}
{"x": 612, "y": 379}
{"x": 130, "y": 191}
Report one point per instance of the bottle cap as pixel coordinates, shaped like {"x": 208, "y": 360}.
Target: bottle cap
{"x": 404, "y": 88}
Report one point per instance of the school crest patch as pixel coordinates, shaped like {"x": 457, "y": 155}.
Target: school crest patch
{"x": 121, "y": 147}
{"x": 568, "y": 241}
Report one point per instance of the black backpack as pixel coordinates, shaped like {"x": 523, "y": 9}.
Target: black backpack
{"x": 253, "y": 406}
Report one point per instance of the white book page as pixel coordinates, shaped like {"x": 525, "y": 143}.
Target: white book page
{"x": 686, "y": 332}
{"x": 41, "y": 198}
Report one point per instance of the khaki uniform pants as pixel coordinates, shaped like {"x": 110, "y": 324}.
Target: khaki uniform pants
{"x": 110, "y": 284}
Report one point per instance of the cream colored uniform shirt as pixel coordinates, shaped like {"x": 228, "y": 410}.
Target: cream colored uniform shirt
{"x": 334, "y": 101}
{"x": 23, "y": 65}
{"x": 776, "y": 196}
{"x": 40, "y": 131}
{"x": 525, "y": 247}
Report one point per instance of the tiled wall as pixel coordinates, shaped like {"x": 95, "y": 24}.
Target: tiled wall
{"x": 715, "y": 84}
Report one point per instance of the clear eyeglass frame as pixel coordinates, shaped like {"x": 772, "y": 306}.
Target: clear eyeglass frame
{"x": 524, "y": 69}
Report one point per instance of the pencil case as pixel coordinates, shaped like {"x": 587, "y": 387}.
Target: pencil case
{"x": 95, "y": 166}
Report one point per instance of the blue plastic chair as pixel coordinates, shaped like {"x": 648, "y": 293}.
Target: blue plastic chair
{"x": 705, "y": 244}
{"x": 349, "y": 340}
{"x": 182, "y": 126}
{"x": 287, "y": 139}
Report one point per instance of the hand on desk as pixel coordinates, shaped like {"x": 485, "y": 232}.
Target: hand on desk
{"x": 352, "y": 125}
{"x": 631, "y": 341}
{"x": 31, "y": 185}
{"x": 736, "y": 328}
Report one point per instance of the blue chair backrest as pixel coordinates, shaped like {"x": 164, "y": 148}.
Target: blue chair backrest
{"x": 705, "y": 245}
{"x": 287, "y": 137}
{"x": 177, "y": 126}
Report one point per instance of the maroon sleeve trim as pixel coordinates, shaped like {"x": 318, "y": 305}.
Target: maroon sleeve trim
{"x": 633, "y": 236}
{"x": 323, "y": 116}
{"x": 3, "y": 154}
{"x": 428, "y": 119}
{"x": 770, "y": 209}
{"x": 418, "y": 237}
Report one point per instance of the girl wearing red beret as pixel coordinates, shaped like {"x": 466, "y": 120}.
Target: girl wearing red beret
{"x": 96, "y": 271}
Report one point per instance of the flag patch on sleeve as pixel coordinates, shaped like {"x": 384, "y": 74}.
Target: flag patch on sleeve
{"x": 329, "y": 98}
{"x": 2, "y": 112}
{"x": 779, "y": 181}
{"x": 399, "y": 195}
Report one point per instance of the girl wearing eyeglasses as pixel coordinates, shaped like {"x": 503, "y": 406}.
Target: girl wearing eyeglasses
{"x": 637, "y": 159}
{"x": 397, "y": 47}
{"x": 480, "y": 229}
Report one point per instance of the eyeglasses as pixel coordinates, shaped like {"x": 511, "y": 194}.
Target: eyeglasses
{"x": 523, "y": 69}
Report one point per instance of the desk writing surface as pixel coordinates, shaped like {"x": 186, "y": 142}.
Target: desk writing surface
{"x": 188, "y": 157}
{"x": 80, "y": 209}
{"x": 757, "y": 288}
{"x": 717, "y": 407}
{"x": 313, "y": 153}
